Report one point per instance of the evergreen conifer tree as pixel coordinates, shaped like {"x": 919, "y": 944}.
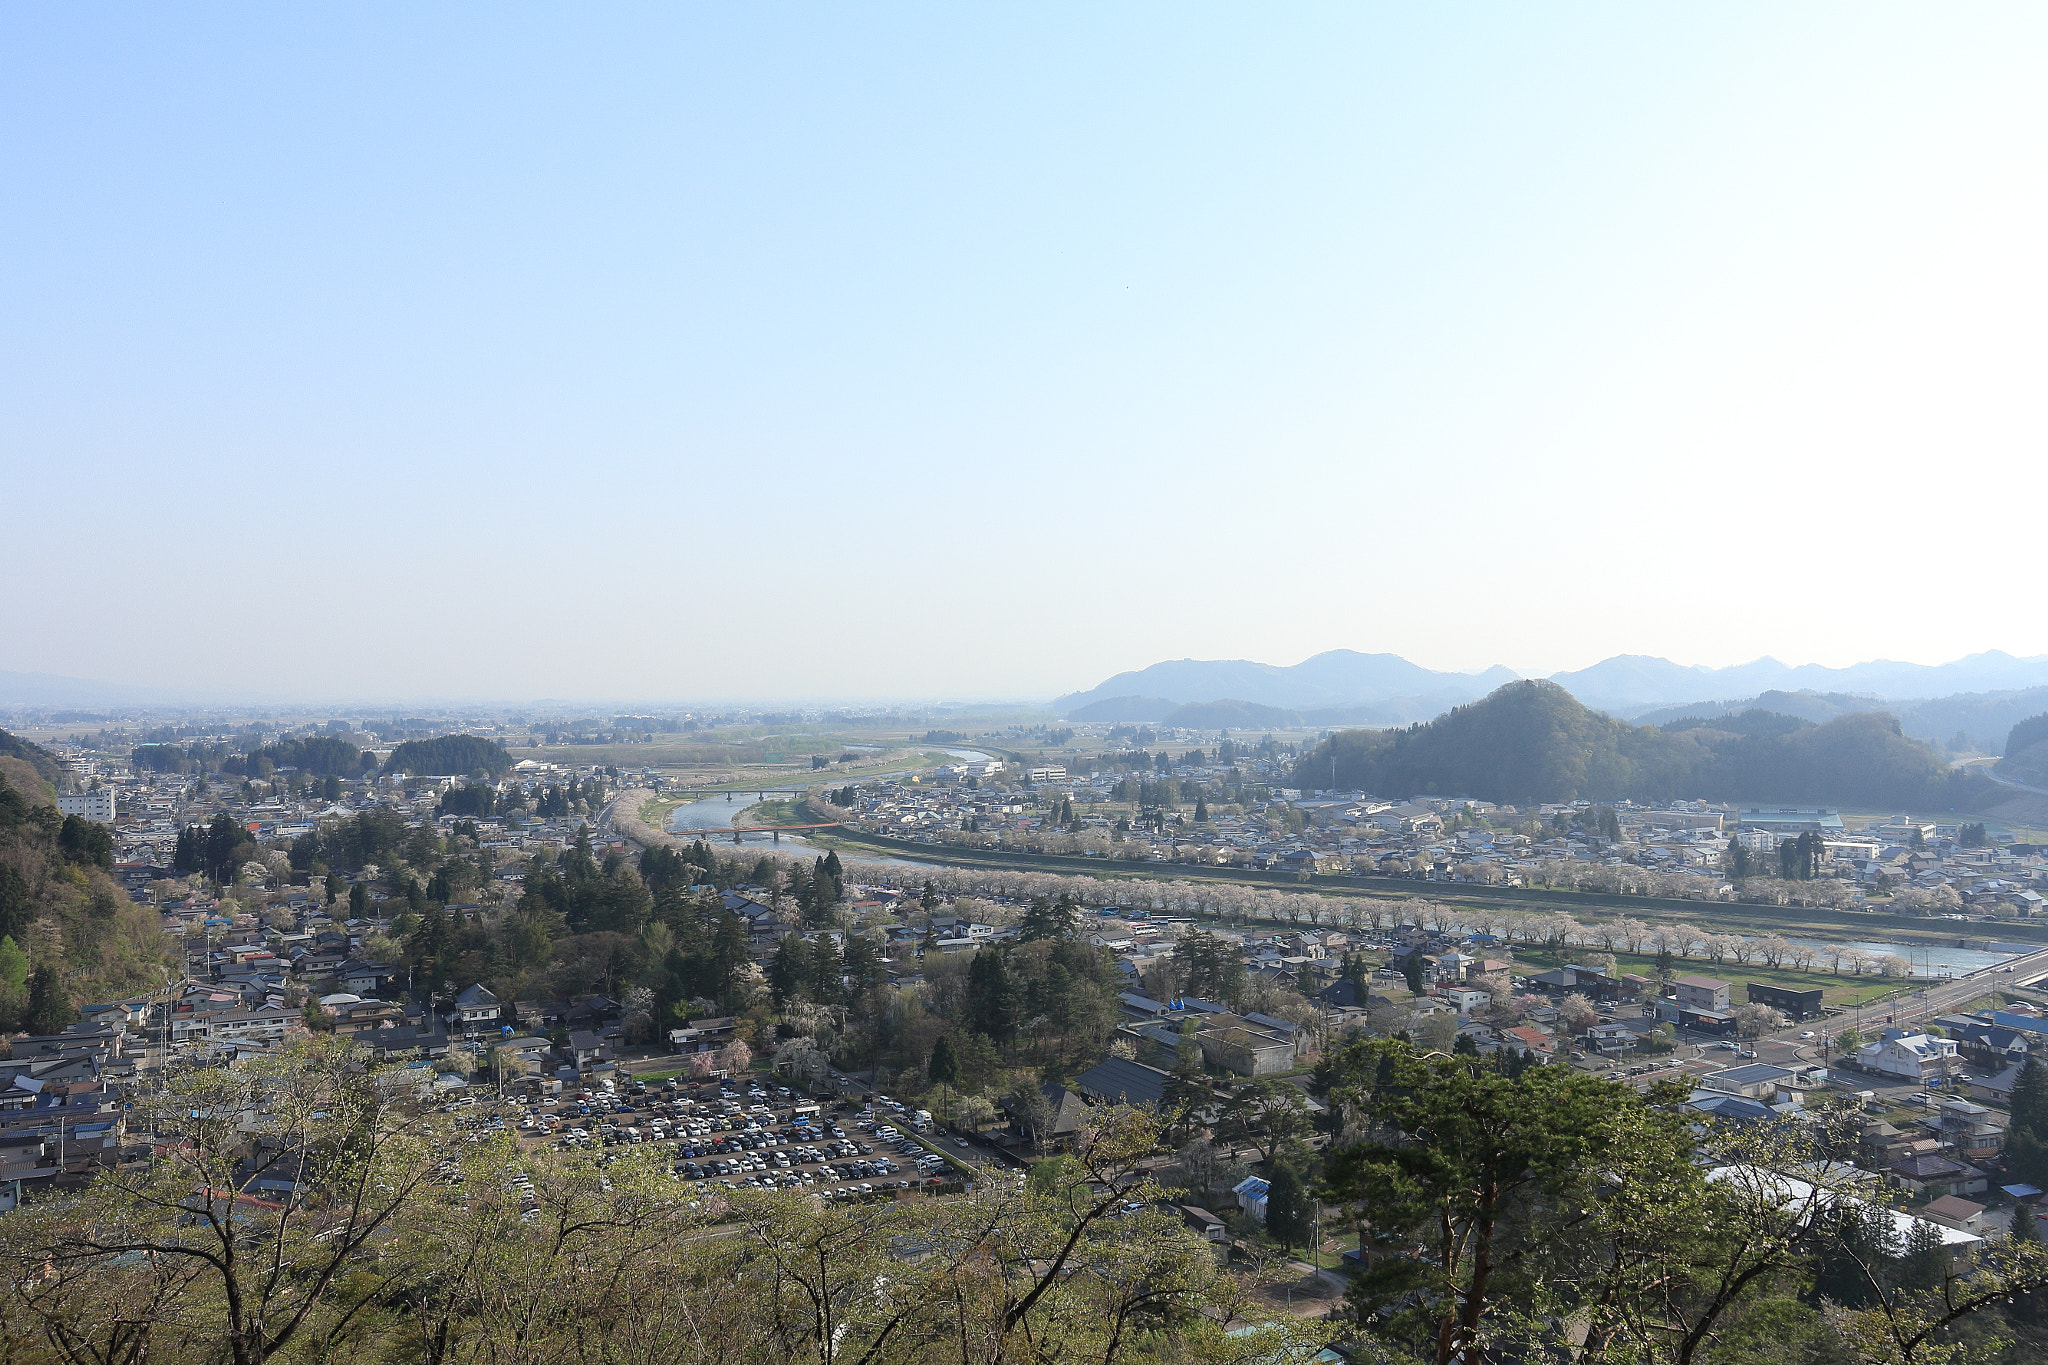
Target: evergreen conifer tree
{"x": 944, "y": 1066}
{"x": 49, "y": 1006}
{"x": 1925, "y": 1263}
{"x": 2026, "y": 1139}
{"x": 1288, "y": 1217}
{"x": 992, "y": 996}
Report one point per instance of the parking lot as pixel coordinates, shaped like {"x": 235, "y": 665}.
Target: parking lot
{"x": 753, "y": 1137}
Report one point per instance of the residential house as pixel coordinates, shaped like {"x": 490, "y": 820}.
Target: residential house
{"x": 475, "y": 1010}
{"x": 1703, "y": 993}
{"x": 1935, "y": 1175}
{"x": 1952, "y": 1212}
{"x": 1611, "y": 1037}
{"x": 1965, "y": 1130}
{"x": 367, "y": 978}
{"x": 1911, "y": 1054}
{"x": 585, "y": 1049}
{"x": 703, "y": 1034}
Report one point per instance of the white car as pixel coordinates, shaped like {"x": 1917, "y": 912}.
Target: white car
{"x": 1807, "y": 1036}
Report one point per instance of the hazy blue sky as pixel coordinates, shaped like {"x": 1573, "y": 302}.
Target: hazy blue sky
{"x": 953, "y": 351}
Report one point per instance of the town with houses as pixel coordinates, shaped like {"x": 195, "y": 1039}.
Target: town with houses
{"x": 1045, "y": 808}
{"x": 562, "y": 1073}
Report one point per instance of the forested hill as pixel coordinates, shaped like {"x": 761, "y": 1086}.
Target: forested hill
{"x": 448, "y": 755}
{"x": 41, "y": 761}
{"x": 1532, "y": 741}
{"x": 67, "y": 932}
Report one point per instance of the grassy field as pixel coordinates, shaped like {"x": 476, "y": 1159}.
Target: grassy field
{"x": 773, "y": 813}
{"x": 655, "y": 810}
{"x": 1843, "y": 991}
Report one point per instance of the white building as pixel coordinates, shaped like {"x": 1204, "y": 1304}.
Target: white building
{"x": 1915, "y": 1056}
{"x": 97, "y": 805}
{"x": 1051, "y": 772}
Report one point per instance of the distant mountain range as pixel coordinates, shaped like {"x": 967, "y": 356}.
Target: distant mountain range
{"x": 1635, "y": 680}
{"x": 1339, "y": 679}
{"x": 1344, "y": 687}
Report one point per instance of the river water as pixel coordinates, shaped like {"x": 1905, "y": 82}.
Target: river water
{"x": 716, "y": 813}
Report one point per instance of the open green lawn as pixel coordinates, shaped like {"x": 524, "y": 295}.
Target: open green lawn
{"x": 1842, "y": 991}
{"x": 655, "y": 810}
{"x": 773, "y": 813}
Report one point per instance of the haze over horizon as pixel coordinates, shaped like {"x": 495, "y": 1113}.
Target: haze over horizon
{"x": 1981, "y": 671}
{"x": 923, "y": 353}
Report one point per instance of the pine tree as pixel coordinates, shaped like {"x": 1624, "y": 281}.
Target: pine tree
{"x": 1045, "y": 919}
{"x": 49, "y": 1006}
{"x": 826, "y": 971}
{"x": 944, "y": 1066}
{"x": 2030, "y": 1098}
{"x": 1201, "y": 811}
{"x": 992, "y": 996}
{"x": 1857, "y": 1245}
{"x": 1288, "y": 1216}
{"x": 787, "y": 969}
{"x": 2026, "y": 1141}
{"x": 729, "y": 957}
{"x": 2025, "y": 1226}
{"x": 1926, "y": 1263}
{"x": 863, "y": 964}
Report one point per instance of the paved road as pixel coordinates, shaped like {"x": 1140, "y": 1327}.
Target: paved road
{"x": 1941, "y": 997}
{"x": 1985, "y": 768}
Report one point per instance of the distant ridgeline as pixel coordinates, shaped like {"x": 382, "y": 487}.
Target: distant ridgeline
{"x": 448, "y": 755}
{"x": 1532, "y": 741}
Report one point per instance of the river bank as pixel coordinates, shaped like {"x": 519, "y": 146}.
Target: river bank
{"x": 1909, "y": 935}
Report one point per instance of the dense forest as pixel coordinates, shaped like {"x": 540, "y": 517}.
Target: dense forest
{"x": 446, "y": 755}
{"x": 320, "y": 755}
{"x": 1532, "y": 741}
